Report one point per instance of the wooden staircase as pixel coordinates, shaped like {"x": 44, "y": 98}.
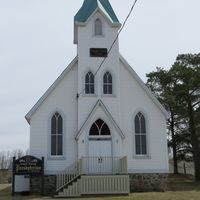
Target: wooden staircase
{"x": 76, "y": 180}
{"x": 67, "y": 177}
{"x": 72, "y": 190}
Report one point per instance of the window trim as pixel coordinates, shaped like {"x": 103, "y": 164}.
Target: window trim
{"x": 140, "y": 133}
{"x": 107, "y": 84}
{"x": 56, "y": 157}
{"x": 89, "y": 83}
{"x": 99, "y": 35}
{"x": 99, "y": 130}
{"x": 95, "y": 84}
{"x": 148, "y": 154}
{"x": 113, "y": 84}
{"x": 57, "y": 135}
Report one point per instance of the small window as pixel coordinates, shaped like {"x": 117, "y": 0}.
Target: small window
{"x": 140, "y": 135}
{"x": 99, "y": 128}
{"x": 89, "y": 83}
{"x": 107, "y": 83}
{"x": 56, "y": 135}
{"x": 98, "y": 27}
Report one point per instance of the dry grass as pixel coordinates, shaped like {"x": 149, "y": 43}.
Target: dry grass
{"x": 179, "y": 188}
{"x": 183, "y": 183}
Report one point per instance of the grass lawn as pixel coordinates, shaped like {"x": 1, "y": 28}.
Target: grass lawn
{"x": 179, "y": 188}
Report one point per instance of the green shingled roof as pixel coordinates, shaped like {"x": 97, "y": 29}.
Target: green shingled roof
{"x": 89, "y": 6}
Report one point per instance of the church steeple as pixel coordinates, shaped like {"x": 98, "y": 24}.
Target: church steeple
{"x": 88, "y": 8}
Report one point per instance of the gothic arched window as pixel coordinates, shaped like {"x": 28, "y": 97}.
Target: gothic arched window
{"x": 140, "y": 135}
{"x": 107, "y": 83}
{"x": 56, "y": 135}
{"x": 98, "y": 27}
{"x": 89, "y": 83}
{"x": 99, "y": 128}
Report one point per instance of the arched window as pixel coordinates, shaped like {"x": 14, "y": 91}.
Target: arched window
{"x": 98, "y": 27}
{"x": 56, "y": 135}
{"x": 140, "y": 135}
{"x": 99, "y": 128}
{"x": 107, "y": 83}
{"x": 89, "y": 83}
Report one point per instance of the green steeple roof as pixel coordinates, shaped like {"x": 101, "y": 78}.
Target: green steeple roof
{"x": 89, "y": 6}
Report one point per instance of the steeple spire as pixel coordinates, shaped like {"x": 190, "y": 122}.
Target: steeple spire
{"x": 90, "y": 6}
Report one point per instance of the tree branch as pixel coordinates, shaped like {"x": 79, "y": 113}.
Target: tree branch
{"x": 196, "y": 104}
{"x": 193, "y": 91}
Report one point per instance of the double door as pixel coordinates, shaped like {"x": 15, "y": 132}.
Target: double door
{"x": 100, "y": 157}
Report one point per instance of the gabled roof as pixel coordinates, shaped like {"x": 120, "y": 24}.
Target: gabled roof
{"x": 51, "y": 88}
{"x": 99, "y": 103}
{"x": 90, "y": 6}
{"x": 144, "y": 87}
{"x": 74, "y": 61}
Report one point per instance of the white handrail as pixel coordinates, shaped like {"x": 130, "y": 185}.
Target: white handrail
{"x": 104, "y": 165}
{"x": 68, "y": 175}
{"x": 92, "y": 165}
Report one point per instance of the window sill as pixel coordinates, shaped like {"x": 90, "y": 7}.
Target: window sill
{"x": 108, "y": 95}
{"x": 141, "y": 157}
{"x": 56, "y": 158}
{"x": 89, "y": 95}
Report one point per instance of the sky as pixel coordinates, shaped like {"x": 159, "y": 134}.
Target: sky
{"x": 36, "y": 45}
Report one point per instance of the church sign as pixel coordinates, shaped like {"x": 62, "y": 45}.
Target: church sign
{"x": 28, "y": 165}
{"x": 98, "y": 52}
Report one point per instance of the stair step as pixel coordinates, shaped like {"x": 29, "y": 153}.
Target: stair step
{"x": 71, "y": 191}
{"x": 64, "y": 196}
{"x": 112, "y": 184}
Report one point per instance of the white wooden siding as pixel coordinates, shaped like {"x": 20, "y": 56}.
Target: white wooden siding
{"x": 133, "y": 100}
{"x": 63, "y": 100}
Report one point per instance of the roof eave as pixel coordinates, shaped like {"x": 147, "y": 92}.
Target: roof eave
{"x": 146, "y": 89}
{"x": 100, "y": 103}
{"x": 28, "y": 119}
{"x": 109, "y": 19}
{"x": 50, "y": 89}
{"x": 113, "y": 24}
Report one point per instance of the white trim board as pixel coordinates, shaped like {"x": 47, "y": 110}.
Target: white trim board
{"x": 144, "y": 87}
{"x": 99, "y": 103}
{"x": 148, "y": 171}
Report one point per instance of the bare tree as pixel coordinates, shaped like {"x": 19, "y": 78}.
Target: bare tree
{"x": 18, "y": 153}
{"x": 6, "y": 157}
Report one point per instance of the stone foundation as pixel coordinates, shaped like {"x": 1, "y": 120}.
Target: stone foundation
{"x": 36, "y": 187}
{"x": 138, "y": 183}
{"x": 148, "y": 182}
{"x": 49, "y": 185}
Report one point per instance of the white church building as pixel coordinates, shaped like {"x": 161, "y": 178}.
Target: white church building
{"x": 98, "y": 127}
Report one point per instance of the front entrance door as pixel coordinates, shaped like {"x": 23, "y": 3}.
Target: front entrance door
{"x": 100, "y": 156}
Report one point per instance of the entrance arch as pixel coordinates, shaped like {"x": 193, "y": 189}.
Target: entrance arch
{"x": 100, "y": 148}
{"x": 99, "y": 127}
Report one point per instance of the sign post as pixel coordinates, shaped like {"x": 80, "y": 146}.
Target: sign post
{"x": 42, "y": 175}
{"x": 13, "y": 177}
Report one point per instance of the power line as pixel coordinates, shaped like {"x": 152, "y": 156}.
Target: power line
{"x": 122, "y": 27}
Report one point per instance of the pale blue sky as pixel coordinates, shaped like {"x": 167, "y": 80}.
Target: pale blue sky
{"x": 36, "y": 44}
